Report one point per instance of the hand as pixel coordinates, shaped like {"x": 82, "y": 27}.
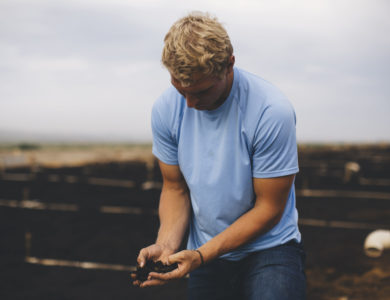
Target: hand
{"x": 187, "y": 261}
{"x": 154, "y": 252}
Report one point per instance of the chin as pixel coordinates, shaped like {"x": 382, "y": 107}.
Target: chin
{"x": 201, "y": 108}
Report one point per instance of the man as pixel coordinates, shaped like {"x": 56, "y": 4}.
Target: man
{"x": 226, "y": 145}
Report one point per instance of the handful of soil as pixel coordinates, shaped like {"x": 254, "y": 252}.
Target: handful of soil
{"x": 151, "y": 266}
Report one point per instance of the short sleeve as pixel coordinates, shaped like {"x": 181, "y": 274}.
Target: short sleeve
{"x": 164, "y": 143}
{"x": 275, "y": 148}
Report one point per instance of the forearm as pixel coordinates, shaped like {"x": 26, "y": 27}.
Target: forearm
{"x": 256, "y": 221}
{"x": 174, "y": 213}
{"x": 271, "y": 198}
{"x": 260, "y": 219}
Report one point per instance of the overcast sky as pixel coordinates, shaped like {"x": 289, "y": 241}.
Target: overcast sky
{"x": 93, "y": 67}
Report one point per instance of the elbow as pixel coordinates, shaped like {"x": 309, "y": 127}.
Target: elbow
{"x": 276, "y": 218}
{"x": 269, "y": 217}
{"x": 269, "y": 211}
{"x": 276, "y": 213}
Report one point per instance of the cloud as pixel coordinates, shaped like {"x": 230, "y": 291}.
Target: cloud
{"x": 94, "y": 66}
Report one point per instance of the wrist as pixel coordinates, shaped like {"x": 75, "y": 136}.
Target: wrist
{"x": 200, "y": 256}
{"x": 166, "y": 247}
{"x": 168, "y": 242}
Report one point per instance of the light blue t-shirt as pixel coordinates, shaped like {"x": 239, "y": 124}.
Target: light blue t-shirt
{"x": 252, "y": 134}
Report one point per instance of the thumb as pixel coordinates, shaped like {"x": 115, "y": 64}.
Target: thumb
{"x": 174, "y": 258}
{"x": 142, "y": 257}
{"x": 145, "y": 254}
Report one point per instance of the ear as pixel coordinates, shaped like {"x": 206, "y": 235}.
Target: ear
{"x": 230, "y": 65}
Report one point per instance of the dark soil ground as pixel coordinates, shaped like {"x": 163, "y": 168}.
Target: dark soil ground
{"x": 337, "y": 267}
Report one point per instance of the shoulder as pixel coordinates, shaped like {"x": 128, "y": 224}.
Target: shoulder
{"x": 169, "y": 105}
{"x": 261, "y": 101}
{"x": 165, "y": 112}
{"x": 167, "y": 101}
{"x": 259, "y": 91}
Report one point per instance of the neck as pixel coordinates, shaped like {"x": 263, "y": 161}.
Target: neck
{"x": 228, "y": 88}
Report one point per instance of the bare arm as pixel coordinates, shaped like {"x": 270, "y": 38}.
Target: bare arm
{"x": 174, "y": 213}
{"x": 271, "y": 198}
{"x": 174, "y": 208}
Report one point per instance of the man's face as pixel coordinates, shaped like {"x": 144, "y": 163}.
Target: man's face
{"x": 207, "y": 93}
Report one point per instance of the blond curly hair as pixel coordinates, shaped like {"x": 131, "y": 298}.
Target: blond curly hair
{"x": 196, "y": 43}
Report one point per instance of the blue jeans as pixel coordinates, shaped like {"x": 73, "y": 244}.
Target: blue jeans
{"x": 276, "y": 273}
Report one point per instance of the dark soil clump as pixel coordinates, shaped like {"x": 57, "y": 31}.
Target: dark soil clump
{"x": 151, "y": 266}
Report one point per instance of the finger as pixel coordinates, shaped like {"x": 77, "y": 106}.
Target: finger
{"x": 165, "y": 260}
{"x": 175, "y": 274}
{"x": 152, "y": 282}
{"x": 136, "y": 282}
{"x": 175, "y": 258}
{"x": 144, "y": 255}
{"x": 134, "y": 279}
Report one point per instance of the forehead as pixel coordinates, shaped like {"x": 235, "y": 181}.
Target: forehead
{"x": 201, "y": 82}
